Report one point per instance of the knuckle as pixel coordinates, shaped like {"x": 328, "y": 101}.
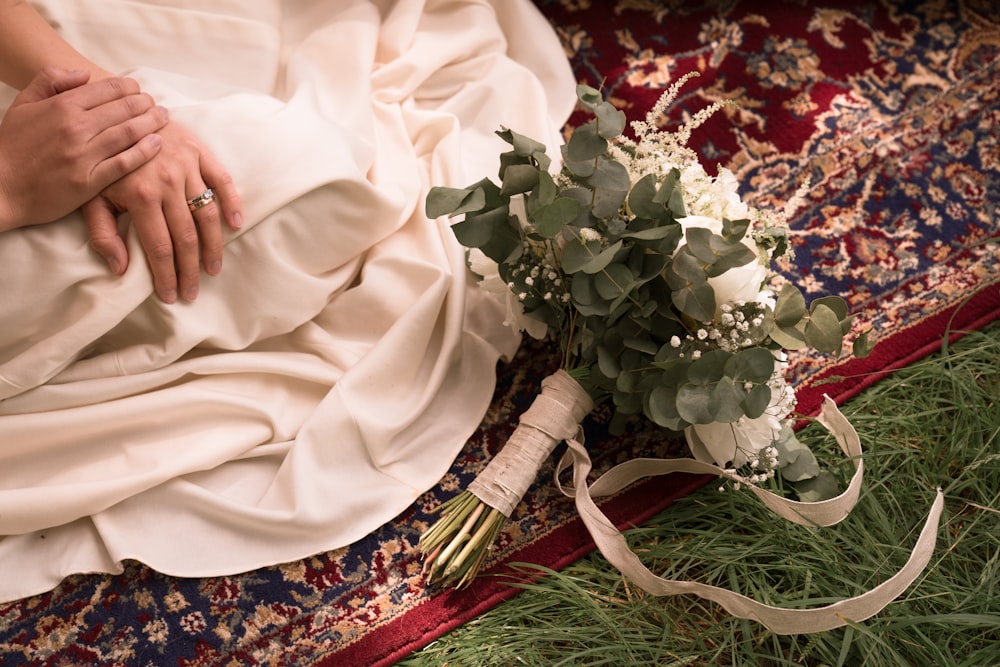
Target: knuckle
{"x": 119, "y": 85}
{"x": 187, "y": 239}
{"x": 160, "y": 251}
{"x": 146, "y": 194}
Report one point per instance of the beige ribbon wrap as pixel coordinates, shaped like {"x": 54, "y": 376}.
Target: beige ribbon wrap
{"x": 554, "y": 416}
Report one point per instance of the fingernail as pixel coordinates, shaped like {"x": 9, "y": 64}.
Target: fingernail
{"x": 215, "y": 267}
{"x": 237, "y": 220}
{"x": 191, "y": 293}
{"x": 170, "y": 296}
{"x": 155, "y": 140}
{"x": 164, "y": 114}
{"x": 114, "y": 264}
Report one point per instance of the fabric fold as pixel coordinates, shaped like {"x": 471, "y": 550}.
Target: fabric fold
{"x": 333, "y": 370}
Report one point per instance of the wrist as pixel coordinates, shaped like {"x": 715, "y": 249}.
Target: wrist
{"x": 8, "y": 219}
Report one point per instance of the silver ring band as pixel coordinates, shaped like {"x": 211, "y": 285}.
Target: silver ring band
{"x": 204, "y": 199}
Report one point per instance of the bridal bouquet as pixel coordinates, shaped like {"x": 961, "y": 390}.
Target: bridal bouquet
{"x": 655, "y": 279}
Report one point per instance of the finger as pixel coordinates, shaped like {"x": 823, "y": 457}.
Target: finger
{"x": 184, "y": 235}
{"x": 226, "y": 196}
{"x": 210, "y": 233}
{"x": 119, "y": 111}
{"x": 51, "y": 81}
{"x": 102, "y": 227}
{"x": 113, "y": 168}
{"x": 107, "y": 90}
{"x": 118, "y": 131}
{"x": 154, "y": 235}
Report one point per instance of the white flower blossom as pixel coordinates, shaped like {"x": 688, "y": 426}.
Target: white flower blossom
{"x": 493, "y": 285}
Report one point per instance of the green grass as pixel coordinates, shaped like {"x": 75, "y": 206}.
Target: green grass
{"x": 936, "y": 423}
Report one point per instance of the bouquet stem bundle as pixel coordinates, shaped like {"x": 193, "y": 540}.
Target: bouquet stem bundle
{"x": 457, "y": 545}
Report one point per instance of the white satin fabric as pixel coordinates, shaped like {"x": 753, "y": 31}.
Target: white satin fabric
{"x": 334, "y": 369}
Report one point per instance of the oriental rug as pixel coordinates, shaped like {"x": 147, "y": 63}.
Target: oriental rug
{"x": 891, "y": 109}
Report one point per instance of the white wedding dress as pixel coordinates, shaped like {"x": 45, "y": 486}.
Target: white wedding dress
{"x": 334, "y": 369}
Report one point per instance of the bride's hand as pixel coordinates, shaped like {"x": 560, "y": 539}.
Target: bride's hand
{"x": 177, "y": 241}
{"x": 63, "y": 140}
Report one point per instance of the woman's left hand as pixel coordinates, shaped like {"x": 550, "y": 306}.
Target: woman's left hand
{"x": 177, "y": 241}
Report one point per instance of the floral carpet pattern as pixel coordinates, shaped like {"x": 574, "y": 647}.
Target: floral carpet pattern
{"x": 890, "y": 109}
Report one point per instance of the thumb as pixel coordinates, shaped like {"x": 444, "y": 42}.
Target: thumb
{"x": 102, "y": 227}
{"x": 51, "y": 81}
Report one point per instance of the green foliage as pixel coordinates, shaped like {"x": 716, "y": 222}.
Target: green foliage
{"x": 636, "y": 311}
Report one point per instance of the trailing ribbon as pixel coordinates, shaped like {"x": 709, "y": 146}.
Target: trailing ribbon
{"x": 612, "y": 543}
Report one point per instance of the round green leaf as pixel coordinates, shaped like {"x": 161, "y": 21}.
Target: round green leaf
{"x": 790, "y": 306}
{"x": 752, "y": 364}
{"x": 727, "y": 398}
{"x": 823, "y": 330}
{"x": 697, "y": 301}
{"x": 661, "y": 407}
{"x": 613, "y": 281}
{"x": 694, "y": 403}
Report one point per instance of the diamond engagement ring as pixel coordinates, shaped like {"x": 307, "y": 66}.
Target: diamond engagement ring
{"x": 204, "y": 199}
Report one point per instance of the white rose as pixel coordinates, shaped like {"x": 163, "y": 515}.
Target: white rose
{"x": 741, "y": 283}
{"x": 733, "y": 443}
{"x": 730, "y": 444}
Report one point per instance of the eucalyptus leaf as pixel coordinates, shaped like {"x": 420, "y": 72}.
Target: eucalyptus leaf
{"x": 579, "y": 168}
{"x": 822, "y": 331}
{"x": 546, "y": 192}
{"x": 523, "y": 145}
{"x": 590, "y": 97}
{"x": 795, "y": 460}
{"x": 608, "y": 363}
{"x": 727, "y": 398}
{"x": 555, "y": 216}
{"x": 752, "y": 364}
{"x": 643, "y": 345}
{"x": 685, "y": 270}
{"x": 579, "y": 253}
{"x": 542, "y": 160}
{"x": 834, "y": 303}
{"x": 790, "y": 306}
{"x": 614, "y": 281}
{"x": 519, "y": 178}
{"x": 734, "y": 230}
{"x": 668, "y": 185}
{"x": 816, "y": 489}
{"x": 757, "y": 401}
{"x": 696, "y": 301}
{"x": 585, "y": 144}
{"x": 599, "y": 262}
{"x": 694, "y": 403}
{"x": 606, "y": 203}
{"x": 610, "y": 120}
{"x": 661, "y": 407}
{"x": 476, "y": 230}
{"x": 862, "y": 346}
{"x": 610, "y": 175}
{"x": 790, "y": 338}
{"x": 699, "y": 242}
{"x": 452, "y": 201}
{"x": 586, "y": 300}
{"x": 710, "y": 367}
{"x": 640, "y": 198}
{"x": 676, "y": 203}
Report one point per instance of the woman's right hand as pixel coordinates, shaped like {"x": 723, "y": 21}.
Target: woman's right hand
{"x": 177, "y": 242}
{"x": 64, "y": 140}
